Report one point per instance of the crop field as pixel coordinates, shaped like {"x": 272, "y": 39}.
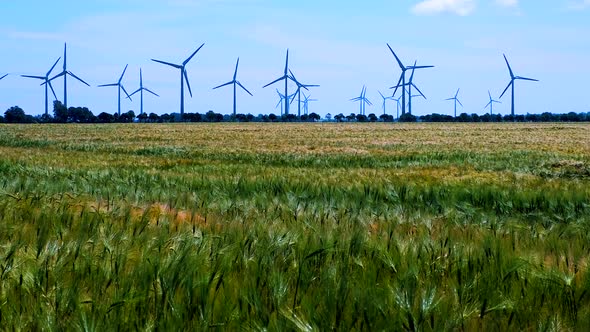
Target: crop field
{"x": 287, "y": 227}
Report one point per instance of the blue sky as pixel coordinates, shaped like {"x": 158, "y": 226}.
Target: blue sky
{"x": 339, "y": 45}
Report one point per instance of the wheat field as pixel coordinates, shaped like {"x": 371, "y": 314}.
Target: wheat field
{"x": 284, "y": 227}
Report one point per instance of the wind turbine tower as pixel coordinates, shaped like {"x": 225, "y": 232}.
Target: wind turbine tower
{"x": 183, "y": 77}
{"x": 363, "y": 101}
{"x": 140, "y": 90}
{"x": 285, "y": 77}
{"x": 46, "y": 82}
{"x": 491, "y": 103}
{"x": 119, "y": 88}
{"x": 65, "y": 74}
{"x": 456, "y": 100}
{"x": 513, "y": 78}
{"x": 402, "y": 78}
{"x": 235, "y": 83}
{"x": 384, "y": 100}
{"x": 298, "y": 92}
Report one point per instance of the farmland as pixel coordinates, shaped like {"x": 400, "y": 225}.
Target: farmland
{"x": 295, "y": 226}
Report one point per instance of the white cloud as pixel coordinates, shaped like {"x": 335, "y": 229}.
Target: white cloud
{"x": 458, "y": 7}
{"x": 579, "y": 5}
{"x": 507, "y": 3}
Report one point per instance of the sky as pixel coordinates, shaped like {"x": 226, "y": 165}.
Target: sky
{"x": 340, "y": 45}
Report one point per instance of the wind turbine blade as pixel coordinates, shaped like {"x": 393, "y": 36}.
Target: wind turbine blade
{"x": 3, "y": 76}
{"x": 140, "y": 78}
{"x": 112, "y": 84}
{"x": 397, "y": 86}
{"x": 124, "y": 70}
{"x": 509, "y": 68}
{"x": 50, "y": 70}
{"x": 78, "y": 78}
{"x": 509, "y": 84}
{"x": 128, "y": 96}
{"x": 419, "y": 67}
{"x": 292, "y": 77}
{"x": 368, "y": 102}
{"x": 185, "y": 75}
{"x": 415, "y": 87}
{"x": 65, "y": 56}
{"x": 53, "y": 91}
{"x": 310, "y": 85}
{"x": 168, "y": 64}
{"x": 28, "y": 76}
{"x": 236, "y": 71}
{"x": 489, "y": 94}
{"x": 356, "y": 99}
{"x": 278, "y": 79}
{"x": 401, "y": 65}
{"x": 134, "y": 92}
{"x": 488, "y": 104}
{"x": 525, "y": 79}
{"x": 413, "y": 70}
{"x": 58, "y": 75}
{"x": 450, "y": 99}
{"x": 382, "y": 96}
{"x": 150, "y": 91}
{"x": 287, "y": 62}
{"x": 224, "y": 84}
{"x": 459, "y": 102}
{"x": 279, "y": 103}
{"x": 240, "y": 84}
{"x": 192, "y": 55}
{"x": 456, "y": 94}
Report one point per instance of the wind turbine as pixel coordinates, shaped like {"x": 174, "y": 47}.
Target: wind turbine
{"x": 65, "y": 74}
{"x": 306, "y": 100}
{"x": 119, "y": 87}
{"x": 456, "y": 101}
{"x": 140, "y": 90}
{"x": 282, "y": 98}
{"x": 46, "y": 83}
{"x": 512, "y": 79}
{"x": 409, "y": 86}
{"x": 183, "y": 77}
{"x": 402, "y": 78}
{"x": 491, "y": 103}
{"x": 286, "y": 78}
{"x": 397, "y": 105}
{"x": 384, "y": 100}
{"x": 234, "y": 82}
{"x": 298, "y": 92}
{"x": 362, "y": 99}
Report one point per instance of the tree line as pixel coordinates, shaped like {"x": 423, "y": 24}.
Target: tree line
{"x": 16, "y": 114}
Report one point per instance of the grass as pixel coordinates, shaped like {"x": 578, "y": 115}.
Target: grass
{"x": 295, "y": 227}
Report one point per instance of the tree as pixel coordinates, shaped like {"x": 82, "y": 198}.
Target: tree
{"x": 407, "y": 118}
{"x": 15, "y": 114}
{"x": 361, "y": 118}
{"x": 105, "y": 117}
{"x": 80, "y": 115}
{"x": 386, "y": 118}
{"x": 142, "y": 117}
{"x": 272, "y": 117}
{"x": 1, "y": 119}
{"x": 314, "y": 116}
{"x": 373, "y": 117}
{"x": 60, "y": 112}
{"x": 351, "y": 117}
{"x": 339, "y": 117}
{"x": 154, "y": 117}
{"x": 329, "y": 117}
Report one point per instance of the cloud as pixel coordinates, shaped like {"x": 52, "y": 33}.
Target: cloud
{"x": 579, "y": 5}
{"x": 458, "y": 7}
{"x": 507, "y": 3}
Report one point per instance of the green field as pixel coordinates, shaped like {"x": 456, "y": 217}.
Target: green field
{"x": 295, "y": 227}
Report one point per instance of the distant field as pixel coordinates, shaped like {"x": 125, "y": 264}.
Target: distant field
{"x": 295, "y": 226}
